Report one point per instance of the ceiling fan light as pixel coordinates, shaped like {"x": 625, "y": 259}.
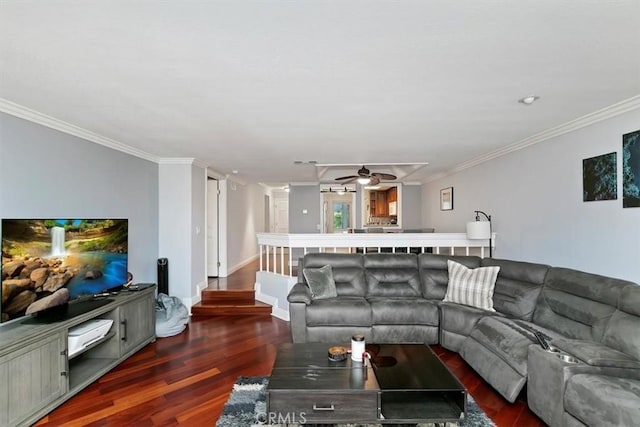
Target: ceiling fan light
{"x": 364, "y": 180}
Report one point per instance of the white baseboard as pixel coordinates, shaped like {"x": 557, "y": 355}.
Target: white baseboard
{"x": 276, "y": 310}
{"x": 273, "y": 302}
{"x": 280, "y": 314}
{"x": 242, "y": 264}
{"x": 189, "y": 302}
{"x": 267, "y": 299}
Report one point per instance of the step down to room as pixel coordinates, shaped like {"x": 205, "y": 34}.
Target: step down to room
{"x": 229, "y": 303}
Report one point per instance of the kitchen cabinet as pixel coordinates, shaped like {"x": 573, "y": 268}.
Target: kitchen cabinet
{"x": 392, "y": 195}
{"x": 378, "y": 205}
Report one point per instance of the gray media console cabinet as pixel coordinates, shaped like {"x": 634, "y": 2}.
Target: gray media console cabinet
{"x": 36, "y": 373}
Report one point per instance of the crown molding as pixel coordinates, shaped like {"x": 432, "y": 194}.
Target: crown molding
{"x": 212, "y": 173}
{"x": 302, "y": 184}
{"x": 371, "y": 164}
{"x": 176, "y": 160}
{"x": 25, "y": 113}
{"x": 609, "y": 112}
{"x": 200, "y": 164}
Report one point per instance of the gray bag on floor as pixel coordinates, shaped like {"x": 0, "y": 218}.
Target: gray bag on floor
{"x": 172, "y": 316}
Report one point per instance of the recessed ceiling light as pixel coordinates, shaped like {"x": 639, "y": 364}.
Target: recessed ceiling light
{"x": 528, "y": 100}
{"x": 235, "y": 172}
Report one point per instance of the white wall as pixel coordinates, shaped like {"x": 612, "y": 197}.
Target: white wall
{"x": 245, "y": 218}
{"x": 174, "y": 226}
{"x": 45, "y": 173}
{"x": 535, "y": 198}
{"x": 198, "y": 230}
{"x": 182, "y": 234}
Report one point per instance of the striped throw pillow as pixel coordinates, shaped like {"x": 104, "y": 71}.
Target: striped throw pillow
{"x": 472, "y": 287}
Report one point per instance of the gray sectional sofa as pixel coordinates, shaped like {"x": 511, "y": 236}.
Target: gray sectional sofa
{"x": 589, "y": 376}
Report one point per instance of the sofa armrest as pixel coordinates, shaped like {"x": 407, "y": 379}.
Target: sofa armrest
{"x": 299, "y": 293}
{"x": 596, "y": 354}
{"x": 548, "y": 377}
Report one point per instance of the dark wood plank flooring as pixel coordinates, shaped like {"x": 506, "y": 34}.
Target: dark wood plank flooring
{"x": 186, "y": 379}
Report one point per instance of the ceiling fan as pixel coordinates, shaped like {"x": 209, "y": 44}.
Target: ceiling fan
{"x": 364, "y": 176}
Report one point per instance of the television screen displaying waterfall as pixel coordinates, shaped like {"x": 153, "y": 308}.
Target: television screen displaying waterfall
{"x": 48, "y": 262}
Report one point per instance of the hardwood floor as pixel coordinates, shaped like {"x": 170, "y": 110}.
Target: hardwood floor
{"x": 242, "y": 279}
{"x": 186, "y": 379}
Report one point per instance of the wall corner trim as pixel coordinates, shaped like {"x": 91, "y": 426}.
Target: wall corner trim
{"x": 611, "y": 111}
{"x": 25, "y": 113}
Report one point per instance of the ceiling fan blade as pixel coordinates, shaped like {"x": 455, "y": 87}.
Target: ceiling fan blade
{"x": 385, "y": 176}
{"x": 346, "y": 177}
{"x": 374, "y": 180}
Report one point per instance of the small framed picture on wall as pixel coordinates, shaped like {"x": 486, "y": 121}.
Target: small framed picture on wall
{"x": 446, "y": 199}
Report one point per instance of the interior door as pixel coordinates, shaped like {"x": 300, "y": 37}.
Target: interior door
{"x": 212, "y": 228}
{"x": 281, "y": 208}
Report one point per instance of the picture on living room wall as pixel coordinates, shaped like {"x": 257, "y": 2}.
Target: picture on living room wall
{"x": 446, "y": 199}
{"x": 631, "y": 170}
{"x": 599, "y": 178}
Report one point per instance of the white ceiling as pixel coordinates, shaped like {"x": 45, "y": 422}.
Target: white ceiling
{"x": 253, "y": 86}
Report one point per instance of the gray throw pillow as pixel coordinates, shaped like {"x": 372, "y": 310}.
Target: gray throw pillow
{"x": 472, "y": 287}
{"x": 320, "y": 282}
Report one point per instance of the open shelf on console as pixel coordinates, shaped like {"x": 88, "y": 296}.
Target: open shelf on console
{"x": 93, "y": 345}
{"x": 87, "y": 371}
{"x": 85, "y": 366}
{"x": 414, "y": 406}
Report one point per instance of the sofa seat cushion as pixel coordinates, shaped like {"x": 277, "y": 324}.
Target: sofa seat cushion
{"x": 600, "y": 400}
{"x": 341, "y": 311}
{"x": 504, "y": 338}
{"x": 403, "y": 311}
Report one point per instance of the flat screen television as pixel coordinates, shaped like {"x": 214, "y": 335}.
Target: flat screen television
{"x": 48, "y": 264}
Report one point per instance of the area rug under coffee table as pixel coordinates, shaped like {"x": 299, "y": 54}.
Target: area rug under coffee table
{"x": 247, "y": 407}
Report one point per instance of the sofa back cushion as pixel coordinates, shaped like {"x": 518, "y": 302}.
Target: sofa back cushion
{"x": 434, "y": 273}
{"x": 517, "y": 287}
{"x": 392, "y": 275}
{"x": 577, "y": 304}
{"x": 348, "y": 271}
{"x": 623, "y": 330}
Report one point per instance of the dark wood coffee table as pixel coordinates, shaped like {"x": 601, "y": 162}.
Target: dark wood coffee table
{"x": 405, "y": 383}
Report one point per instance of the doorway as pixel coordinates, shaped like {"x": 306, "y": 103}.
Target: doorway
{"x": 213, "y": 225}
{"x": 338, "y": 210}
{"x": 281, "y": 215}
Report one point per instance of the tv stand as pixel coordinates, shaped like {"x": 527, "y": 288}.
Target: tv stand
{"x": 36, "y": 372}
{"x": 66, "y": 311}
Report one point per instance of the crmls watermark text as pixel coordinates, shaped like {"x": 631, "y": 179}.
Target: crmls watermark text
{"x": 282, "y": 418}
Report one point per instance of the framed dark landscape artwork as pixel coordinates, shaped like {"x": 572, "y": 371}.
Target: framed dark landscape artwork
{"x": 446, "y": 199}
{"x": 631, "y": 170}
{"x": 599, "y": 178}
